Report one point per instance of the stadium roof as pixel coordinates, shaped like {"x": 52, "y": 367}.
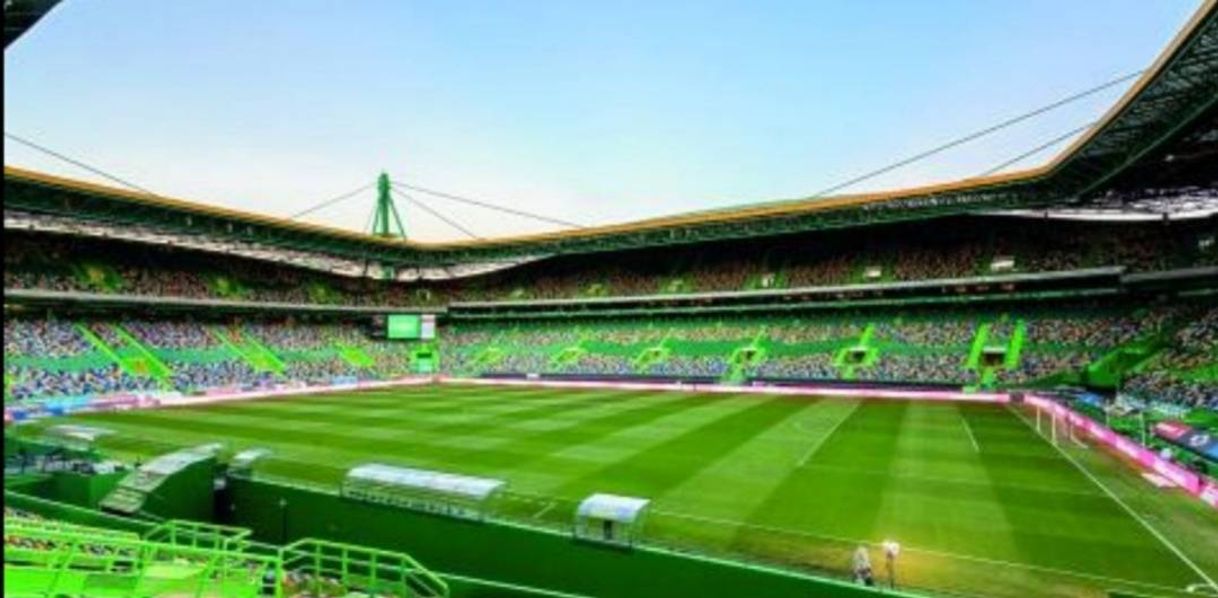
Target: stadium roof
{"x": 1173, "y": 103}
{"x": 20, "y": 15}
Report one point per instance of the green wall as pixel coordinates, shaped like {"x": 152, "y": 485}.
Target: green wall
{"x": 510, "y": 553}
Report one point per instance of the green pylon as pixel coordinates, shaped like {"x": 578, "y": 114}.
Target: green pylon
{"x": 386, "y": 222}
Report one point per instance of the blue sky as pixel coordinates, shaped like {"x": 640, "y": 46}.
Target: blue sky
{"x": 594, "y": 112}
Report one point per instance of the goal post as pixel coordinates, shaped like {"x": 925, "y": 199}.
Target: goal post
{"x": 1059, "y": 426}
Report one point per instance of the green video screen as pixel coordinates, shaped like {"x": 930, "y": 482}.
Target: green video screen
{"x": 403, "y": 326}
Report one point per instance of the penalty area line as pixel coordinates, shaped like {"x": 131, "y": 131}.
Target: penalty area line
{"x": 1117, "y": 499}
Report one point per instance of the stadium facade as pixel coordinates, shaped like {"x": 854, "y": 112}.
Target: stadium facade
{"x": 1091, "y": 279}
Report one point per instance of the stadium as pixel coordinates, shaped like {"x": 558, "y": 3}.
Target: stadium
{"x": 1003, "y": 386}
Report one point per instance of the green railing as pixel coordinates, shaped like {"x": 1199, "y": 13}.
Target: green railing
{"x": 50, "y": 558}
{"x": 46, "y": 557}
{"x": 331, "y": 565}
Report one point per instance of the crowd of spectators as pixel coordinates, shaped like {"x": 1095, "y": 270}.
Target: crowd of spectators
{"x": 1201, "y": 334}
{"x": 524, "y": 363}
{"x": 1164, "y": 386}
{"x": 87, "y": 265}
{"x": 602, "y": 365}
{"x": 46, "y": 357}
{"x": 229, "y": 374}
{"x": 34, "y": 261}
{"x": 170, "y": 334}
{"x": 1096, "y": 331}
{"x": 797, "y": 332}
{"x": 922, "y": 368}
{"x": 919, "y": 346}
{"x": 41, "y": 337}
{"x": 29, "y": 382}
{"x": 289, "y": 335}
{"x": 53, "y": 359}
{"x": 1173, "y": 376}
{"x": 1036, "y": 365}
{"x": 693, "y": 366}
{"x": 814, "y": 366}
{"x": 939, "y": 332}
{"x": 323, "y": 370}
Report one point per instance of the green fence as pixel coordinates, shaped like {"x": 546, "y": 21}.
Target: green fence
{"x": 511, "y": 554}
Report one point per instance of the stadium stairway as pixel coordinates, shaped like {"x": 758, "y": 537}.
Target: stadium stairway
{"x": 841, "y": 360}
{"x": 978, "y": 347}
{"x": 991, "y": 334}
{"x": 568, "y": 356}
{"x": 250, "y": 350}
{"x": 159, "y": 368}
{"x": 353, "y": 355}
{"x": 653, "y": 355}
{"x": 1109, "y": 369}
{"x": 1015, "y": 347}
{"x": 130, "y": 355}
{"x": 747, "y": 358}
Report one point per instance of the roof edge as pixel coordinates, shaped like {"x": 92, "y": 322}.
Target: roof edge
{"x": 770, "y": 209}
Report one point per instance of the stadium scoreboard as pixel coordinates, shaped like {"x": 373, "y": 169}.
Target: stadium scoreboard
{"x": 396, "y": 327}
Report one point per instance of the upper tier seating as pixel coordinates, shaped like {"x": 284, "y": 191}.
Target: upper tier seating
{"x": 895, "y": 253}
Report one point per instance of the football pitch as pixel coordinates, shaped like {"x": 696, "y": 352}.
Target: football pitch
{"x": 981, "y": 504}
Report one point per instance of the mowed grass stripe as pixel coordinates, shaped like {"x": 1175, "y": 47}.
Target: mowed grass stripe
{"x": 436, "y": 401}
{"x": 626, "y": 415}
{"x": 332, "y": 437}
{"x": 1101, "y": 536}
{"x": 403, "y": 419}
{"x": 531, "y": 447}
{"x": 961, "y": 513}
{"x": 921, "y": 508}
{"x": 324, "y": 435}
{"x": 751, "y": 471}
{"x": 813, "y": 500}
{"x": 547, "y": 473}
{"x": 655, "y": 471}
{"x": 1027, "y": 463}
{"x": 458, "y": 418}
{"x": 575, "y": 404}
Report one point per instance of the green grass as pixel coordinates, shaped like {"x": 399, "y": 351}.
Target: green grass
{"x": 980, "y": 502}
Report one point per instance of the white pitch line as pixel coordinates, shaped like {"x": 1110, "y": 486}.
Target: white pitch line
{"x": 927, "y": 551}
{"x": 1200, "y": 588}
{"x": 544, "y": 510}
{"x": 951, "y": 480}
{"x": 969, "y": 430}
{"x": 540, "y": 498}
{"x": 1117, "y": 499}
{"x": 819, "y": 443}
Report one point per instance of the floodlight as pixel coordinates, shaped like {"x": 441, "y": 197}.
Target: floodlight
{"x": 891, "y": 548}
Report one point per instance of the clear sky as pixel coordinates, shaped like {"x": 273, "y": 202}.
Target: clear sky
{"x": 594, "y": 112}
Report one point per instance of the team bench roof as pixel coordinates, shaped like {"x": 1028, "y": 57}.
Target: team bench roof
{"x": 1171, "y": 102}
